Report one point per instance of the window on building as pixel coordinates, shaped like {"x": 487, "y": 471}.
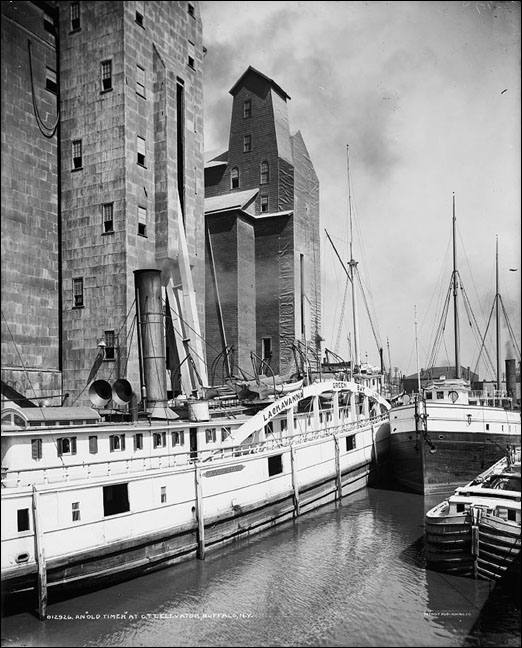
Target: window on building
{"x": 108, "y": 218}
{"x": 23, "y": 519}
{"x": 178, "y": 438}
{"x": 247, "y": 109}
{"x": 50, "y": 80}
{"x": 110, "y": 345}
{"x": 275, "y": 465}
{"x": 210, "y": 435}
{"x": 140, "y": 151}
{"x": 106, "y": 75}
{"x": 66, "y": 446}
{"x": 115, "y": 499}
{"x": 247, "y": 143}
{"x": 139, "y": 13}
{"x": 75, "y": 16}
{"x": 350, "y": 442}
{"x": 269, "y": 428}
{"x": 191, "y": 55}
{"x": 159, "y": 440}
{"x": 78, "y": 292}
{"x": 225, "y": 433}
{"x": 234, "y": 178}
{"x": 267, "y": 348}
{"x": 75, "y": 511}
{"x": 163, "y": 494}
{"x": 264, "y": 176}
{"x": 284, "y": 425}
{"x": 77, "y": 154}
{"x": 117, "y": 442}
{"x": 48, "y": 24}
{"x": 93, "y": 445}
{"x": 36, "y": 449}
{"x": 142, "y": 221}
{"x": 190, "y": 8}
{"x": 138, "y": 441}
{"x": 264, "y": 203}
{"x": 140, "y": 80}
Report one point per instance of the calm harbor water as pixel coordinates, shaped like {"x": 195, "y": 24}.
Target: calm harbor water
{"x": 350, "y": 574}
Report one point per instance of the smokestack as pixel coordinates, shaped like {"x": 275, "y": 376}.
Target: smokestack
{"x": 511, "y": 377}
{"x": 153, "y": 358}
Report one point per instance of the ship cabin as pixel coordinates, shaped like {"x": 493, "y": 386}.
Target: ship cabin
{"x": 458, "y": 391}
{"x": 44, "y": 445}
{"x": 49, "y": 445}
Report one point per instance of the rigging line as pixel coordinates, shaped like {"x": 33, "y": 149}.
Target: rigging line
{"x": 440, "y": 298}
{"x": 437, "y": 333}
{"x": 491, "y": 368}
{"x": 473, "y": 322}
{"x": 43, "y": 127}
{"x": 341, "y": 317}
{"x": 440, "y": 330}
{"x": 481, "y": 304}
{"x": 129, "y": 342}
{"x": 367, "y": 309}
{"x": 508, "y": 323}
{"x": 19, "y": 355}
{"x": 181, "y": 336}
{"x": 114, "y": 364}
{"x": 213, "y": 348}
{"x": 365, "y": 289}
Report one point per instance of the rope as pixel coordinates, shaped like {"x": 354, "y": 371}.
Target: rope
{"x": 19, "y": 355}
{"x": 43, "y": 127}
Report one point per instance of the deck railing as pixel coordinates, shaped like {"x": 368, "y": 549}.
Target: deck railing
{"x": 167, "y": 461}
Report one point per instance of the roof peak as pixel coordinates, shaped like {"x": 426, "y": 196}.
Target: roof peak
{"x": 270, "y": 81}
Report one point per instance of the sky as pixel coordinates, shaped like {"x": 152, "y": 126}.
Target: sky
{"x": 426, "y": 96}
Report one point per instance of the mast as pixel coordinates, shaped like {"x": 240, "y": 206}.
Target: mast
{"x": 497, "y": 299}
{"x": 455, "y": 300}
{"x": 417, "y": 354}
{"x": 353, "y": 264}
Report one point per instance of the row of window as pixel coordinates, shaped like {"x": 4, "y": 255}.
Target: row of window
{"x": 75, "y": 14}
{"x": 68, "y": 445}
{"x": 77, "y": 153}
{"x": 264, "y": 175}
{"x": 76, "y": 25}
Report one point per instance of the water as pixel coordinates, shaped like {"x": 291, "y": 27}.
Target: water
{"x": 345, "y": 575}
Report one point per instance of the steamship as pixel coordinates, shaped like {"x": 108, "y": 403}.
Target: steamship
{"x": 447, "y": 433}
{"x": 87, "y": 500}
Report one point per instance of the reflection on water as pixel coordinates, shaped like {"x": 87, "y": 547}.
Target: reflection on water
{"x": 347, "y": 575}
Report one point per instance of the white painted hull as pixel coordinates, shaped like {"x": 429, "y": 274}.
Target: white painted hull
{"x": 181, "y": 506}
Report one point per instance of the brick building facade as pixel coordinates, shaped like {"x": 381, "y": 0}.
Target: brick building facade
{"x": 262, "y": 218}
{"x": 86, "y": 204}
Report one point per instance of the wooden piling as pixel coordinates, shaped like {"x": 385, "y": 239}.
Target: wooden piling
{"x": 199, "y": 514}
{"x": 338, "y": 468}
{"x": 39, "y": 554}
{"x": 295, "y": 483}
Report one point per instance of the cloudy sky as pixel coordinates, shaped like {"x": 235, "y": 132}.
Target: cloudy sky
{"x": 427, "y": 97}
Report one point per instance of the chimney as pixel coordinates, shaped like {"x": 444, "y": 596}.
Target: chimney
{"x": 511, "y": 379}
{"x": 149, "y": 306}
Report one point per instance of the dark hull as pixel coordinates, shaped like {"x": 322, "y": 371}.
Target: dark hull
{"x": 456, "y": 458}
